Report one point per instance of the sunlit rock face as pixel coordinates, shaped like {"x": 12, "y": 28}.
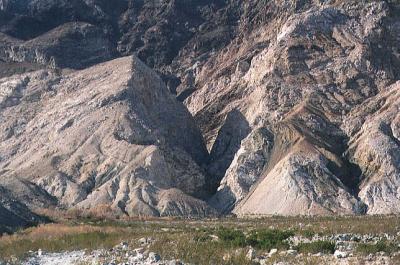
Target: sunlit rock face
{"x": 109, "y": 135}
{"x": 195, "y": 108}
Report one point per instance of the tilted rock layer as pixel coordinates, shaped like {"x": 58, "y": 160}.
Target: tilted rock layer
{"x": 291, "y": 106}
{"x": 302, "y": 94}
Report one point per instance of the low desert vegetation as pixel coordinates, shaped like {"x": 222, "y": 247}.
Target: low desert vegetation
{"x": 232, "y": 237}
{"x": 268, "y": 239}
{"x": 325, "y": 247}
{"x": 59, "y": 237}
{"x": 182, "y": 245}
{"x": 213, "y": 241}
{"x": 373, "y": 248}
{"x": 307, "y": 233}
{"x": 264, "y": 239}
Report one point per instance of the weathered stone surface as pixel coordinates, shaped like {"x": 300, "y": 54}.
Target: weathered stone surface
{"x": 245, "y": 170}
{"x": 279, "y": 90}
{"x": 71, "y": 45}
{"x": 14, "y": 214}
{"x": 313, "y": 68}
{"x": 299, "y": 184}
{"x": 110, "y": 135}
{"x": 375, "y": 147}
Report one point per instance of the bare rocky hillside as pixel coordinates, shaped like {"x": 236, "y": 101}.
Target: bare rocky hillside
{"x": 198, "y": 108}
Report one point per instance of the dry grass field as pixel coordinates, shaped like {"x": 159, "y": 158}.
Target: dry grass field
{"x": 195, "y": 241}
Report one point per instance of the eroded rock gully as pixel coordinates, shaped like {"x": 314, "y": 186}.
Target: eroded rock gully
{"x": 289, "y": 107}
{"x": 309, "y": 76}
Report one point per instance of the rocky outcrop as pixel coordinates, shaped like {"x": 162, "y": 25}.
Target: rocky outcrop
{"x": 300, "y": 184}
{"x": 29, "y": 19}
{"x": 245, "y": 170}
{"x": 108, "y": 136}
{"x": 374, "y": 146}
{"x": 226, "y": 145}
{"x": 295, "y": 101}
{"x": 14, "y": 214}
{"x": 312, "y": 69}
{"x": 72, "y": 45}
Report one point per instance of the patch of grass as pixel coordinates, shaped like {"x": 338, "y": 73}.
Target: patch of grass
{"x": 325, "y": 247}
{"x": 265, "y": 239}
{"x": 191, "y": 240}
{"x": 202, "y": 237}
{"x": 182, "y": 246}
{"x": 268, "y": 239}
{"x": 60, "y": 237}
{"x": 90, "y": 240}
{"x": 380, "y": 246}
{"x": 232, "y": 237}
{"x": 307, "y": 233}
{"x": 328, "y": 225}
{"x": 297, "y": 260}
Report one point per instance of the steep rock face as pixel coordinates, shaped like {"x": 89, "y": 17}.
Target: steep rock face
{"x": 278, "y": 89}
{"x": 27, "y": 19}
{"x": 157, "y": 30}
{"x": 71, "y": 45}
{"x": 308, "y": 73}
{"x": 169, "y": 36}
{"x": 248, "y": 164}
{"x": 300, "y": 184}
{"x": 108, "y": 136}
{"x": 14, "y": 214}
{"x": 227, "y": 143}
{"x": 374, "y": 146}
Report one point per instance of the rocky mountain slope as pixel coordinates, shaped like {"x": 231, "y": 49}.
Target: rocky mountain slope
{"x": 289, "y": 107}
{"x": 110, "y": 135}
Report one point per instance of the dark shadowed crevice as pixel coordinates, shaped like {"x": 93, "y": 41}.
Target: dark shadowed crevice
{"x": 348, "y": 173}
{"x": 386, "y": 129}
{"x": 328, "y": 137}
{"x": 226, "y": 145}
{"x": 185, "y": 94}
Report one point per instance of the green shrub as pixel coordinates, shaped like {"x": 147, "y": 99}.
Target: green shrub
{"x": 364, "y": 248}
{"x": 268, "y": 239}
{"x": 325, "y": 247}
{"x": 307, "y": 233}
{"x": 202, "y": 237}
{"x": 231, "y": 237}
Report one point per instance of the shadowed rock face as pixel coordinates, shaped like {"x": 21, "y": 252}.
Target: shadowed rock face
{"x": 296, "y": 102}
{"x": 27, "y": 19}
{"x": 72, "y": 45}
{"x": 14, "y": 214}
{"x": 374, "y": 146}
{"x": 226, "y": 145}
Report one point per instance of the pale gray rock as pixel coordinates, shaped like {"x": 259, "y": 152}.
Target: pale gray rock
{"x": 291, "y": 99}
{"x": 245, "y": 170}
{"x": 153, "y": 257}
{"x": 251, "y": 254}
{"x": 340, "y": 254}
{"x": 309, "y": 71}
{"x": 375, "y": 146}
{"x": 108, "y": 139}
{"x": 299, "y": 184}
